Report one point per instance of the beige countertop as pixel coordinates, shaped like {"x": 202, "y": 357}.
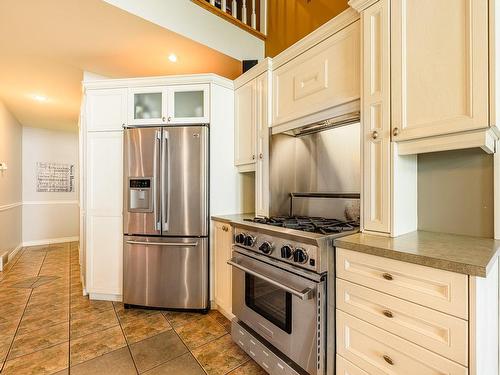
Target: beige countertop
{"x": 461, "y": 254}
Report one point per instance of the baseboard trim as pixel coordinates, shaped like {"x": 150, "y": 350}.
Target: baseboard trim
{"x": 49, "y": 241}
{"x": 105, "y": 297}
{"x": 10, "y": 206}
{"x": 11, "y": 256}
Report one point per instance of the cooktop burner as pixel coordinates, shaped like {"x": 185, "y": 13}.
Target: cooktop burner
{"x": 309, "y": 224}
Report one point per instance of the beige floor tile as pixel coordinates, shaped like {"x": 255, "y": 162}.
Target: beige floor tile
{"x": 221, "y": 319}
{"x": 220, "y": 356}
{"x": 96, "y": 344}
{"x": 157, "y": 350}
{"x": 126, "y": 315}
{"x": 200, "y": 332}
{"x": 141, "y": 328}
{"x": 176, "y": 318}
{"x": 118, "y": 362}
{"x": 40, "y": 339}
{"x": 43, "y": 362}
{"x": 91, "y": 323}
{"x": 185, "y": 365}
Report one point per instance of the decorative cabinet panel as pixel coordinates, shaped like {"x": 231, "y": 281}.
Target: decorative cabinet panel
{"x": 439, "y": 67}
{"x": 245, "y": 125}
{"x": 375, "y": 116}
{"x": 325, "y": 76}
{"x": 106, "y": 109}
{"x": 188, "y": 104}
{"x": 262, "y": 146}
{"x": 223, "y": 240}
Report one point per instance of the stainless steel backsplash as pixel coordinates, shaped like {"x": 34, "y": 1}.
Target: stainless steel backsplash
{"x": 328, "y": 161}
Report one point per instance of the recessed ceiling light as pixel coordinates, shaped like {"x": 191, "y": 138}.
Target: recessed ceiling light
{"x": 172, "y": 57}
{"x": 39, "y": 98}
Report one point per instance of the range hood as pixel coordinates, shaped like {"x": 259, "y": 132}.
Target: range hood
{"x": 346, "y": 114}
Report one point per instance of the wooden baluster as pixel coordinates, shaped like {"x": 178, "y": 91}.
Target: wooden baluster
{"x": 212, "y": 2}
{"x": 234, "y": 9}
{"x": 244, "y": 11}
{"x": 254, "y": 16}
{"x": 223, "y": 5}
{"x": 263, "y": 16}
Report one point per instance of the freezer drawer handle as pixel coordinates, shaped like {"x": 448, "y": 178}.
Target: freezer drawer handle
{"x": 304, "y": 295}
{"x": 183, "y": 244}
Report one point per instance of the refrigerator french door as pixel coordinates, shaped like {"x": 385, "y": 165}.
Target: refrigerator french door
{"x": 165, "y": 260}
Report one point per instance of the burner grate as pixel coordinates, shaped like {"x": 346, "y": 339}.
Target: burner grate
{"x": 309, "y": 224}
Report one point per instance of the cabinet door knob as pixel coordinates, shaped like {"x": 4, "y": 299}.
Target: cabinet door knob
{"x": 169, "y": 119}
{"x": 253, "y": 157}
{"x": 387, "y": 276}
{"x": 163, "y": 119}
{"x": 261, "y": 156}
{"x": 388, "y": 359}
{"x": 388, "y": 313}
{"x": 395, "y": 132}
{"x": 374, "y": 134}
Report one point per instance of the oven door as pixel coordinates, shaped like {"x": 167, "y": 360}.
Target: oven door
{"x": 283, "y": 307}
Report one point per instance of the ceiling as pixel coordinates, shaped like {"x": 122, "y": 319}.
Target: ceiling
{"x": 46, "y": 45}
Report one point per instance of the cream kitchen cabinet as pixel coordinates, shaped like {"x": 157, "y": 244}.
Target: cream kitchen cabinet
{"x": 104, "y": 220}
{"x": 106, "y": 110}
{"x": 313, "y": 79}
{"x": 223, "y": 240}
{"x": 245, "y": 126}
{"x": 176, "y": 104}
{"x": 404, "y": 318}
{"x": 439, "y": 67}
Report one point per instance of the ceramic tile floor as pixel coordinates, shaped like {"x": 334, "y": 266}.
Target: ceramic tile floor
{"x": 48, "y": 327}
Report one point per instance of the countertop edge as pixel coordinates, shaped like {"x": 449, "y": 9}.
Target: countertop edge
{"x": 422, "y": 260}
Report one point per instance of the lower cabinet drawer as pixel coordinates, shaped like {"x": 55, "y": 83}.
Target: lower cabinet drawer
{"x": 438, "y": 289}
{"x": 433, "y": 330}
{"x": 380, "y": 353}
{"x": 344, "y": 367}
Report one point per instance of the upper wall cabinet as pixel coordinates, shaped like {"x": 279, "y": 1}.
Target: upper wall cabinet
{"x": 439, "y": 67}
{"x": 188, "y": 104}
{"x": 320, "y": 79}
{"x": 106, "y": 109}
{"x": 147, "y": 105}
{"x": 245, "y": 126}
{"x": 180, "y": 104}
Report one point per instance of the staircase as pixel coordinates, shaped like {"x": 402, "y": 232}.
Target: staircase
{"x": 249, "y": 15}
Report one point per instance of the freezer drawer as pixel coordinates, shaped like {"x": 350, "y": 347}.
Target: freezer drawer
{"x": 166, "y": 272}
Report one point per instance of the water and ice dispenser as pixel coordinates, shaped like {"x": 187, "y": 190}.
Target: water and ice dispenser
{"x": 140, "y": 195}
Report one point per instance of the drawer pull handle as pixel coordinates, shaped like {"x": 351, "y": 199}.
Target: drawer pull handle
{"x": 387, "y": 276}
{"x": 388, "y": 313}
{"x": 388, "y": 360}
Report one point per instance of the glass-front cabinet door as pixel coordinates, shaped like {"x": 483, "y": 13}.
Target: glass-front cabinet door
{"x": 188, "y": 104}
{"x": 147, "y": 106}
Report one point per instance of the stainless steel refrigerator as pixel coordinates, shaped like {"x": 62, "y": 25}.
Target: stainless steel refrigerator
{"x": 166, "y": 224}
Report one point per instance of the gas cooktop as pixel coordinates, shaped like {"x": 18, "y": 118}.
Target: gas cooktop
{"x": 309, "y": 224}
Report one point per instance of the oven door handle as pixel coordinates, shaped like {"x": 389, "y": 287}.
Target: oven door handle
{"x": 304, "y": 295}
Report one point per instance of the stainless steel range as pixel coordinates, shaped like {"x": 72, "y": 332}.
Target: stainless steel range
{"x": 280, "y": 275}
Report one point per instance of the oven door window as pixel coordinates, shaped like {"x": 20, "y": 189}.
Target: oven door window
{"x": 269, "y": 301}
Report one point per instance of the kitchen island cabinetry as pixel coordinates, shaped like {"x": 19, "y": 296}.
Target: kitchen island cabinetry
{"x": 223, "y": 241}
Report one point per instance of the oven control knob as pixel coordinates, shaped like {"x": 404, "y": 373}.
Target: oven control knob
{"x": 266, "y": 247}
{"x": 300, "y": 256}
{"x": 240, "y": 238}
{"x": 286, "y": 252}
{"x": 249, "y": 240}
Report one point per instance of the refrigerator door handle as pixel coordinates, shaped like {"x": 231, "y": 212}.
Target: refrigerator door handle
{"x": 165, "y": 178}
{"x": 157, "y": 182}
{"x": 175, "y": 244}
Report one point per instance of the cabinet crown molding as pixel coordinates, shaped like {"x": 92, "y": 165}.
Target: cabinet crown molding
{"x": 262, "y": 67}
{"x": 360, "y": 5}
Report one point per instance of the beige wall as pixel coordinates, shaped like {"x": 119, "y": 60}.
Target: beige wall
{"x": 48, "y": 216}
{"x": 455, "y": 192}
{"x": 10, "y": 181}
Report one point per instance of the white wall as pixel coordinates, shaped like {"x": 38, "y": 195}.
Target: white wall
{"x": 10, "y": 181}
{"x": 192, "y": 21}
{"x": 48, "y": 217}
